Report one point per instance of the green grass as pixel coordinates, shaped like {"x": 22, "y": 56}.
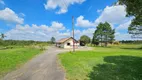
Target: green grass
{"x": 113, "y": 63}
{"x": 11, "y": 59}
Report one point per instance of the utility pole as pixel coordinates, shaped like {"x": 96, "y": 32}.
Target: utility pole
{"x": 73, "y": 33}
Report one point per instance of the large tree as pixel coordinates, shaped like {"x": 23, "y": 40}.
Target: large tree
{"x": 2, "y": 36}
{"x": 53, "y": 40}
{"x": 95, "y": 40}
{"x": 103, "y": 34}
{"x": 134, "y": 8}
{"x": 85, "y": 39}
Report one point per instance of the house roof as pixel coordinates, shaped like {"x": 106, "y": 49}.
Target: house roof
{"x": 65, "y": 39}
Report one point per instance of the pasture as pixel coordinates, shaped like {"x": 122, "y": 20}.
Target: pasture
{"x": 120, "y": 62}
{"x": 11, "y": 59}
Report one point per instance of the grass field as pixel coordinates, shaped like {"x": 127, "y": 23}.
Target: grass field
{"x": 112, "y": 63}
{"x": 11, "y": 59}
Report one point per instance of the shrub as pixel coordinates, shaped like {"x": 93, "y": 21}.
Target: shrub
{"x": 116, "y": 43}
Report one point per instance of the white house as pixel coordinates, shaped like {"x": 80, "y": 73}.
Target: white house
{"x": 67, "y": 43}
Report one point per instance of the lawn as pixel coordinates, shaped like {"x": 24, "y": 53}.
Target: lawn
{"x": 112, "y": 63}
{"x": 11, "y": 59}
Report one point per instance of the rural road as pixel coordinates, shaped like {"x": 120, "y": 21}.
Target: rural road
{"x": 42, "y": 67}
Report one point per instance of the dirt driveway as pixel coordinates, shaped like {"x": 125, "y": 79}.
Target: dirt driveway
{"x": 42, "y": 67}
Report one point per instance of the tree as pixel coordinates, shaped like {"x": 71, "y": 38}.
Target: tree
{"x": 95, "y": 40}
{"x": 104, "y": 33}
{"x": 2, "y": 36}
{"x": 134, "y": 8}
{"x": 85, "y": 39}
{"x": 53, "y": 40}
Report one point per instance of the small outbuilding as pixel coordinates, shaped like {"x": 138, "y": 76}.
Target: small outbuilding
{"x": 67, "y": 43}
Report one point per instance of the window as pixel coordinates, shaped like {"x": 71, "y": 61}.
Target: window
{"x": 68, "y": 44}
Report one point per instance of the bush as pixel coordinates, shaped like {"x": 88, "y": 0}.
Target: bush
{"x": 41, "y": 47}
{"x": 116, "y": 43}
{"x": 141, "y": 47}
{"x": 96, "y": 43}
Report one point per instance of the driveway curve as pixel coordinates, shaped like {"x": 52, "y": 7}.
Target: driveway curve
{"x": 42, "y": 67}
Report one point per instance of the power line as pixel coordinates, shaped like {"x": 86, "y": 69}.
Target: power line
{"x": 65, "y": 4}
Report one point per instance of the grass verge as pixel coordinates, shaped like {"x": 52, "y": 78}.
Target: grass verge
{"x": 113, "y": 63}
{"x": 11, "y": 59}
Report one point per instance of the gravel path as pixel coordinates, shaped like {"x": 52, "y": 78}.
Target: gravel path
{"x": 42, "y": 67}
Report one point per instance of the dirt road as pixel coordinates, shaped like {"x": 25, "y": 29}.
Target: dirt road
{"x": 42, "y": 67}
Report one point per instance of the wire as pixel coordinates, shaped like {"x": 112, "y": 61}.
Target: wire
{"x": 65, "y": 3}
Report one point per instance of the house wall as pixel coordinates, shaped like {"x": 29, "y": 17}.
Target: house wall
{"x": 71, "y": 44}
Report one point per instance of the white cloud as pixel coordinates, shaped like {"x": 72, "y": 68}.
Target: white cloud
{"x": 39, "y": 33}
{"x": 44, "y": 32}
{"x": 113, "y": 14}
{"x": 89, "y": 32}
{"x": 9, "y": 15}
{"x": 116, "y": 15}
{"x": 57, "y": 26}
{"x": 62, "y": 5}
{"x": 2, "y": 2}
{"x": 22, "y": 15}
{"x": 81, "y": 22}
{"x": 123, "y": 26}
{"x": 119, "y": 36}
{"x": 123, "y": 36}
{"x": 99, "y": 10}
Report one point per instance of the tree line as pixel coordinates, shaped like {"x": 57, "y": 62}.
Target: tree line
{"x": 21, "y": 42}
{"x": 131, "y": 42}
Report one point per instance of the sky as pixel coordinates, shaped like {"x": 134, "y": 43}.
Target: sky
{"x": 40, "y": 20}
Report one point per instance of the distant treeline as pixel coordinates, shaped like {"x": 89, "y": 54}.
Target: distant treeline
{"x": 131, "y": 42}
{"x": 21, "y": 42}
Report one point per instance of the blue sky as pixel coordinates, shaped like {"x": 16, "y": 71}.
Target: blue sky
{"x": 42, "y": 19}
